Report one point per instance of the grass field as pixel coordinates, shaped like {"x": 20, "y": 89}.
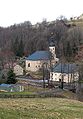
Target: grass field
{"x": 40, "y": 108}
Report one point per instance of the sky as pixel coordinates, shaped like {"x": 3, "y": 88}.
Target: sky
{"x": 18, "y": 11}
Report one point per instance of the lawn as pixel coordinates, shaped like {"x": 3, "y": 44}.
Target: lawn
{"x": 40, "y": 108}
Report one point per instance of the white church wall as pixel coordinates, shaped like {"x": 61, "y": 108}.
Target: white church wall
{"x": 35, "y": 65}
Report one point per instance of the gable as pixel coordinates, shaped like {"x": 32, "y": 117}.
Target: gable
{"x": 18, "y": 67}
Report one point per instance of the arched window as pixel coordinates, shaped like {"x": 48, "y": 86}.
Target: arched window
{"x": 28, "y": 64}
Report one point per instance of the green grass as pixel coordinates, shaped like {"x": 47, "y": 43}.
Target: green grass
{"x": 30, "y": 91}
{"x": 33, "y": 91}
{"x": 40, "y": 108}
{"x": 16, "y": 93}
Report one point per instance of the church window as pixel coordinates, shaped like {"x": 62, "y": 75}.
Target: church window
{"x": 29, "y": 65}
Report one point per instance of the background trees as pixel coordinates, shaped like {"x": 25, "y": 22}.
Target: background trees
{"x": 25, "y": 38}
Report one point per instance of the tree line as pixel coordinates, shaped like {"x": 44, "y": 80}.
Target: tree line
{"x": 23, "y": 39}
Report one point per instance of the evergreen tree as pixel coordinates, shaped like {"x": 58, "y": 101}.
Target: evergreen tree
{"x": 68, "y": 50}
{"x": 21, "y": 49}
{"x": 74, "y": 49}
{"x": 11, "y": 78}
{"x": 16, "y": 46}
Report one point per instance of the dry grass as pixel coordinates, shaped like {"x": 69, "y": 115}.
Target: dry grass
{"x": 40, "y": 108}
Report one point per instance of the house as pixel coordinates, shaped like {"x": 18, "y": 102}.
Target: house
{"x": 67, "y": 71}
{"x": 18, "y": 70}
{"x": 35, "y": 61}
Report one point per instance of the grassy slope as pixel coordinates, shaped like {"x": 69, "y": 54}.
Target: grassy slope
{"x": 76, "y": 22}
{"x": 40, "y": 108}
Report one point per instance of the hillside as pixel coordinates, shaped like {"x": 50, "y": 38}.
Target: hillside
{"x": 40, "y": 108}
{"x": 23, "y": 39}
{"x": 78, "y": 23}
{"x": 20, "y": 40}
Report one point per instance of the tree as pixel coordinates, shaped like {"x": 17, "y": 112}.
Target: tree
{"x": 21, "y": 49}
{"x": 68, "y": 50}
{"x": 16, "y": 46}
{"x": 79, "y": 88}
{"x": 74, "y": 49}
{"x": 11, "y": 78}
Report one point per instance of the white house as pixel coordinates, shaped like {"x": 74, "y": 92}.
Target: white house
{"x": 67, "y": 71}
{"x": 18, "y": 70}
{"x": 35, "y": 61}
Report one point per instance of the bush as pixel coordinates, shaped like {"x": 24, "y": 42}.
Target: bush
{"x": 11, "y": 77}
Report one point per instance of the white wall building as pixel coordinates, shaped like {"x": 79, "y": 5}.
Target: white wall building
{"x": 68, "y": 71}
{"x": 18, "y": 70}
{"x": 35, "y": 61}
{"x": 35, "y": 65}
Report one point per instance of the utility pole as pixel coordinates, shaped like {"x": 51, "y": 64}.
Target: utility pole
{"x": 68, "y": 73}
{"x": 43, "y": 76}
{"x": 47, "y": 74}
{"x": 62, "y": 77}
{"x": 62, "y": 69}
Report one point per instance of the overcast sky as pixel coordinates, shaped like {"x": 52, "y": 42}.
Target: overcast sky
{"x": 17, "y": 11}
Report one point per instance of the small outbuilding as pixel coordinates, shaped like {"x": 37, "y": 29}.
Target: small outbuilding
{"x": 11, "y": 88}
{"x": 18, "y": 70}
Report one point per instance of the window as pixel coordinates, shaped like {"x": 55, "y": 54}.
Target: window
{"x": 52, "y": 74}
{"x": 29, "y": 65}
{"x": 64, "y": 74}
{"x": 59, "y": 80}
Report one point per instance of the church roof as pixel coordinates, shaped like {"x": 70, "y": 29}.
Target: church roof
{"x": 39, "y": 55}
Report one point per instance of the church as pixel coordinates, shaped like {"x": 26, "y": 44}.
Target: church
{"x": 35, "y": 61}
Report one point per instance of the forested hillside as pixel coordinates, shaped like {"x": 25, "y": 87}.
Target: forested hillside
{"x": 24, "y": 38}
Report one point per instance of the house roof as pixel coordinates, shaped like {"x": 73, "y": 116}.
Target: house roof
{"x": 39, "y": 55}
{"x": 65, "y": 68}
{"x": 18, "y": 65}
{"x": 5, "y": 85}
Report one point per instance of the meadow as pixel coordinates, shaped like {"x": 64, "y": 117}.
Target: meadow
{"x": 40, "y": 108}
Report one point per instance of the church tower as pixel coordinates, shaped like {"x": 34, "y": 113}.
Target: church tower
{"x": 52, "y": 50}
